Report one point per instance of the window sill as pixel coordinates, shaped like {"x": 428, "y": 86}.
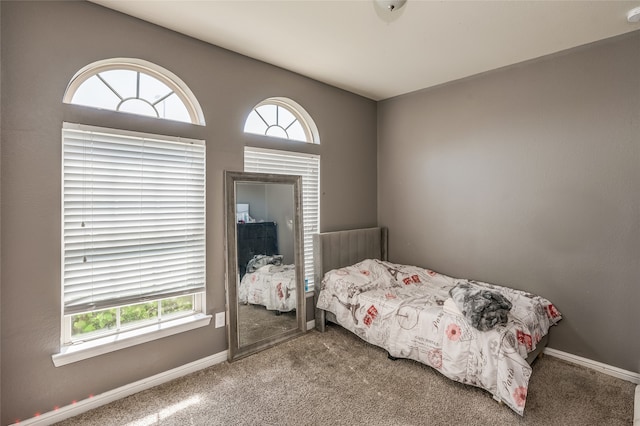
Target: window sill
{"x": 85, "y": 350}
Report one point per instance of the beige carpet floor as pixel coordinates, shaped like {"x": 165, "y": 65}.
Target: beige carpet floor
{"x": 334, "y": 378}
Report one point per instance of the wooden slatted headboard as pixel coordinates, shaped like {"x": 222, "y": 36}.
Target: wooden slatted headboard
{"x": 334, "y": 250}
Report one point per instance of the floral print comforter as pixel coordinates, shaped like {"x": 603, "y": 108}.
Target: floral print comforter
{"x": 400, "y": 308}
{"x": 271, "y": 286}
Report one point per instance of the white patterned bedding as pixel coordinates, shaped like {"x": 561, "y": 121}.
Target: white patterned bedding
{"x": 271, "y": 286}
{"x": 402, "y": 309}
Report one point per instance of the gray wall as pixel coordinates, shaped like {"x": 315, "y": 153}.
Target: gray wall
{"x": 281, "y": 211}
{"x": 529, "y": 177}
{"x": 43, "y": 45}
{"x": 0, "y": 211}
{"x": 271, "y": 202}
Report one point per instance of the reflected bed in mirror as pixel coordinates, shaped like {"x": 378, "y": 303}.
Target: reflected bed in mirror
{"x": 265, "y": 273}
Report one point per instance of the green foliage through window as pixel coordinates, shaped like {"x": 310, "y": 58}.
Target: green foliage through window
{"x": 140, "y": 312}
{"x": 94, "y": 321}
{"x": 98, "y": 321}
{"x": 177, "y": 305}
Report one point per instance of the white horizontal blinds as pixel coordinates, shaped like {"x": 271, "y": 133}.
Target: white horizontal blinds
{"x": 290, "y": 163}
{"x": 133, "y": 218}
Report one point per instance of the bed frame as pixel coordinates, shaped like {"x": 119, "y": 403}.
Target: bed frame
{"x": 334, "y": 250}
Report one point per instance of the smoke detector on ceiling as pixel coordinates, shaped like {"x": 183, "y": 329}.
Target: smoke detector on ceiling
{"x": 633, "y": 15}
{"x": 390, "y": 5}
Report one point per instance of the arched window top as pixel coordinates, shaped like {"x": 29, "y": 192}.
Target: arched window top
{"x": 134, "y": 86}
{"x": 282, "y": 118}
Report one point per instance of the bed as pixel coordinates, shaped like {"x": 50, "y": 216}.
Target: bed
{"x": 269, "y": 283}
{"x": 411, "y": 313}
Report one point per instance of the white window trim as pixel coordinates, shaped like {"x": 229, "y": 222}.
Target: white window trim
{"x": 89, "y": 349}
{"x": 69, "y": 340}
{"x": 303, "y": 117}
{"x": 255, "y": 150}
{"x": 81, "y": 350}
{"x": 167, "y": 77}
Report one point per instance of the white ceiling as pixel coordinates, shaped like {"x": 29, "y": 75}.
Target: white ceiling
{"x": 357, "y": 46}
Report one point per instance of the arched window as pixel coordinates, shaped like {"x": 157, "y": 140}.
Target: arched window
{"x": 261, "y": 160}
{"x": 282, "y": 118}
{"x": 134, "y": 214}
{"x": 134, "y": 86}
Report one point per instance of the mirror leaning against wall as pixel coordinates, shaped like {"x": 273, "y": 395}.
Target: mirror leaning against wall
{"x": 265, "y": 266}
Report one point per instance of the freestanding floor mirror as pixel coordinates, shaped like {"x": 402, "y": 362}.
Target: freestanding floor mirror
{"x": 265, "y": 266}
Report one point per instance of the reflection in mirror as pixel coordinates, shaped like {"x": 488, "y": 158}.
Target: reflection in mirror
{"x": 264, "y": 260}
{"x": 267, "y": 276}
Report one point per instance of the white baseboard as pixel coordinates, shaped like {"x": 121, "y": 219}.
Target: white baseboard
{"x": 124, "y": 391}
{"x": 610, "y": 370}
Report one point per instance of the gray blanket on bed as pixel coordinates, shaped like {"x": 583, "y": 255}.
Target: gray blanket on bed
{"x": 484, "y": 309}
{"x": 261, "y": 260}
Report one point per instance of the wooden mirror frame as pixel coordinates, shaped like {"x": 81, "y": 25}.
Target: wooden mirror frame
{"x": 231, "y": 248}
